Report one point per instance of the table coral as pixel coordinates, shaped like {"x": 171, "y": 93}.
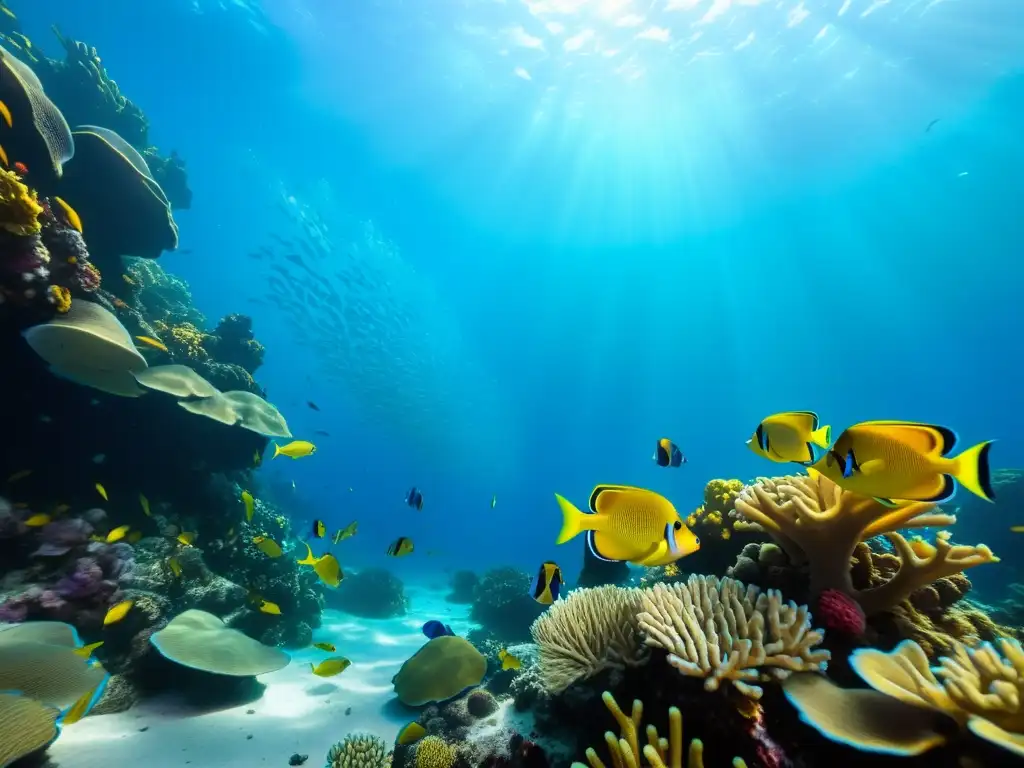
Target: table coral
{"x": 979, "y": 687}
{"x": 658, "y": 751}
{"x": 719, "y": 629}
{"x": 816, "y": 522}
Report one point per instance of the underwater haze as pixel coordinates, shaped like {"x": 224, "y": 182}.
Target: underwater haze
{"x": 483, "y": 252}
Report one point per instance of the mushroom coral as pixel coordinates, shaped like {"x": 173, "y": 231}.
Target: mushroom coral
{"x": 816, "y": 522}
{"x": 980, "y": 688}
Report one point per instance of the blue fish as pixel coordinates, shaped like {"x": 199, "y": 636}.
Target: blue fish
{"x": 435, "y": 628}
{"x": 547, "y": 585}
{"x": 414, "y": 499}
{"x": 667, "y": 454}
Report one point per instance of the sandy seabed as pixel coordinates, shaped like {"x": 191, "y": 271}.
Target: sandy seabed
{"x": 298, "y": 712}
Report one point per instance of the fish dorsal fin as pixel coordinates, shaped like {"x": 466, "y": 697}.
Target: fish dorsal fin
{"x": 928, "y": 439}
{"x": 603, "y": 496}
{"x": 811, "y": 416}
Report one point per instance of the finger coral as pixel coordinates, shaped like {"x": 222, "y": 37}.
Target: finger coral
{"x": 658, "y": 751}
{"x": 816, "y": 522}
{"x": 719, "y": 629}
{"x": 359, "y": 750}
{"x": 978, "y": 687}
{"x": 589, "y": 631}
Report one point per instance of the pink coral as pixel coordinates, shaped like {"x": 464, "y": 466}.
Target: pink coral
{"x": 838, "y": 612}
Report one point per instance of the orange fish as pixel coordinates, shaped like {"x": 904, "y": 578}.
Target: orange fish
{"x": 21, "y": 168}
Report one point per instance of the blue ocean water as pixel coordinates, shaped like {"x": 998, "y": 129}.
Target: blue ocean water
{"x": 594, "y": 224}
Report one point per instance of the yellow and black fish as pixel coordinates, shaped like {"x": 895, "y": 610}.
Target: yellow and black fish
{"x": 905, "y": 460}
{"x": 400, "y": 547}
{"x": 667, "y": 454}
{"x": 319, "y": 529}
{"x": 790, "y": 436}
{"x": 547, "y": 584}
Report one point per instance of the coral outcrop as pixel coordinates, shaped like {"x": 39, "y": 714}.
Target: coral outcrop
{"x": 373, "y": 593}
{"x": 503, "y": 606}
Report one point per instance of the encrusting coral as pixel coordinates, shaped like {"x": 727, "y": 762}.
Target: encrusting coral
{"x": 816, "y": 522}
{"x": 19, "y": 207}
{"x": 980, "y": 688}
{"x": 719, "y": 629}
{"x": 589, "y": 631}
{"x": 660, "y": 752}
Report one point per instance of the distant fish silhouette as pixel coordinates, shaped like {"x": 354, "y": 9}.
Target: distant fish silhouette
{"x": 932, "y": 124}
{"x": 323, "y": 432}
{"x": 313, "y": 405}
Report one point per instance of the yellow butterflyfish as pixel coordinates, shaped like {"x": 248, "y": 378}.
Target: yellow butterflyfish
{"x": 296, "y": 449}
{"x": 268, "y": 607}
{"x": 117, "y": 612}
{"x": 269, "y": 547}
{"x": 117, "y": 534}
{"x": 330, "y": 667}
{"x": 185, "y": 538}
{"x": 175, "y": 566}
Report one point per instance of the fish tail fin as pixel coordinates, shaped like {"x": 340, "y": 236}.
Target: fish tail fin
{"x": 277, "y": 451}
{"x": 308, "y": 559}
{"x": 971, "y": 468}
{"x": 822, "y": 436}
{"x": 573, "y": 521}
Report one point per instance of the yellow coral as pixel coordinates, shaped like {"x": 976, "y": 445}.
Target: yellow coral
{"x": 19, "y": 206}
{"x": 713, "y": 518}
{"x": 659, "y": 752}
{"x": 186, "y": 341}
{"x": 435, "y": 752}
{"x": 61, "y": 298}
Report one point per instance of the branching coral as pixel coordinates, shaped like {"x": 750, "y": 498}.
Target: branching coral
{"x": 721, "y": 630}
{"x": 589, "y": 631}
{"x": 659, "y": 752}
{"x": 818, "y": 523}
{"x": 980, "y": 688}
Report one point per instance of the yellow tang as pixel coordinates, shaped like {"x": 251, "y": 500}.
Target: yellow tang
{"x": 325, "y": 647}
{"x": 790, "y": 436}
{"x": 70, "y": 214}
{"x": 185, "y": 538}
{"x": 268, "y": 547}
{"x": 86, "y": 702}
{"x": 268, "y": 607}
{"x": 330, "y": 667}
{"x": 411, "y": 733}
{"x": 86, "y": 650}
{"x": 117, "y": 534}
{"x": 326, "y": 567}
{"x": 628, "y": 524}
{"x": 102, "y": 491}
{"x": 905, "y": 460}
{"x": 250, "y": 504}
{"x": 37, "y": 520}
{"x": 117, "y": 612}
{"x": 145, "y": 505}
{"x": 296, "y": 449}
{"x": 175, "y": 565}
{"x": 508, "y": 661}
{"x": 346, "y": 532}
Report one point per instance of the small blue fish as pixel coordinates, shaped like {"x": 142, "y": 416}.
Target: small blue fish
{"x": 414, "y": 499}
{"x": 435, "y": 628}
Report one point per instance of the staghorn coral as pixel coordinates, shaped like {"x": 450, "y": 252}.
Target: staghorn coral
{"x": 19, "y": 206}
{"x": 816, "y": 522}
{"x": 359, "y": 750}
{"x": 435, "y": 752}
{"x": 591, "y": 630}
{"x": 716, "y": 629}
{"x": 658, "y": 751}
{"x": 979, "y": 688}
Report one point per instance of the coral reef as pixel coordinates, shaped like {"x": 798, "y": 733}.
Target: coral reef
{"x": 463, "y": 587}
{"x": 502, "y": 604}
{"x": 435, "y": 752}
{"x": 816, "y": 522}
{"x": 713, "y": 521}
{"x": 373, "y": 593}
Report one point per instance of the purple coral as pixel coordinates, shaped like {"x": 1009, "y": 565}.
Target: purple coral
{"x": 61, "y": 536}
{"x": 24, "y": 269}
{"x": 84, "y": 581}
{"x": 68, "y": 253}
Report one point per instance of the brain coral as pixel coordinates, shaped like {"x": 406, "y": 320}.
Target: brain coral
{"x": 435, "y": 752}
{"x": 442, "y": 668}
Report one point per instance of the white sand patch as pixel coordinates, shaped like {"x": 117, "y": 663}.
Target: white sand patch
{"x": 299, "y": 712}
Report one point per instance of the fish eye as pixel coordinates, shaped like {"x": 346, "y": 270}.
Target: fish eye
{"x": 678, "y": 525}
{"x": 696, "y": 540}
